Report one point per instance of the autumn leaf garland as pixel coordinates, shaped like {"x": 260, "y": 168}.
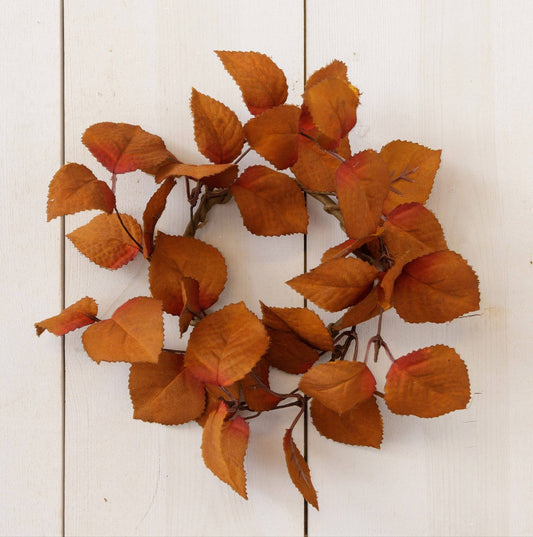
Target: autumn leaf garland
{"x": 395, "y": 256}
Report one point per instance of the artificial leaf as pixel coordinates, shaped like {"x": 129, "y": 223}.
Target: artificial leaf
{"x": 122, "y": 148}
{"x": 225, "y": 345}
{"x": 299, "y": 469}
{"x": 165, "y": 392}
{"x": 105, "y": 241}
{"x": 436, "y": 288}
{"x": 362, "y": 185}
{"x": 362, "y": 425}
{"x": 347, "y": 247}
{"x": 385, "y": 289}
{"x": 332, "y": 104}
{"x": 74, "y": 188}
{"x": 336, "y": 284}
{"x": 339, "y": 385}
{"x": 154, "y": 209}
{"x": 428, "y": 383}
{"x": 270, "y": 202}
{"x": 256, "y": 397}
{"x": 412, "y": 168}
{"x": 365, "y": 309}
{"x": 217, "y": 130}
{"x": 224, "y": 444}
{"x": 261, "y": 81}
{"x": 215, "y": 394}
{"x": 177, "y": 257}
{"x": 81, "y": 313}
{"x": 335, "y": 69}
{"x": 213, "y": 175}
{"x": 190, "y": 291}
{"x": 133, "y": 334}
{"x": 274, "y": 135}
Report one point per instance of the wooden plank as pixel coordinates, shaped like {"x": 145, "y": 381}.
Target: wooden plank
{"x": 136, "y": 62}
{"x": 31, "y": 401}
{"x": 451, "y": 75}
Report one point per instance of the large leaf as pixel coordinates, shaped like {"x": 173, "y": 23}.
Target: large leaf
{"x": 165, "y": 392}
{"x": 262, "y": 82}
{"x": 226, "y": 345}
{"x": 336, "y": 284}
{"x": 270, "y": 202}
{"x": 133, "y": 334}
{"x": 436, "y": 288}
{"x": 428, "y": 383}
{"x": 105, "y": 241}
{"x": 224, "y": 444}
{"x": 217, "y": 130}
{"x": 274, "y": 135}
{"x": 74, "y": 188}
{"x": 122, "y": 148}
{"x": 81, "y": 313}
{"x": 339, "y": 385}
{"x": 177, "y": 257}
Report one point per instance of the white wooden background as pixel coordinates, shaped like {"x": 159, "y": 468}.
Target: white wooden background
{"x": 451, "y": 74}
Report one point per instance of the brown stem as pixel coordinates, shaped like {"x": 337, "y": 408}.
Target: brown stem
{"x": 332, "y": 153}
{"x": 172, "y": 350}
{"x": 127, "y": 230}
{"x": 242, "y": 155}
{"x": 208, "y": 200}
{"x": 379, "y": 340}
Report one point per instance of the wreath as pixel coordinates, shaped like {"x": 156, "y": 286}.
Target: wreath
{"x": 395, "y": 256}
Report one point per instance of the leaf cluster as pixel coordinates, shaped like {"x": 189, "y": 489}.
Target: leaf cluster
{"x": 395, "y": 256}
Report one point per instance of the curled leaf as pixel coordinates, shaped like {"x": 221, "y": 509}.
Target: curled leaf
{"x": 213, "y": 175}
{"x": 256, "y": 397}
{"x": 81, "y": 313}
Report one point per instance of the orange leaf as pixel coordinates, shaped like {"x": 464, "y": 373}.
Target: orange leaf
{"x": 335, "y": 69}
{"x": 362, "y": 186}
{"x": 412, "y": 169}
{"x": 274, "y": 135}
{"x": 105, "y": 242}
{"x": 299, "y": 469}
{"x": 428, "y": 383}
{"x": 364, "y": 310}
{"x": 362, "y": 425}
{"x": 190, "y": 291}
{"x": 339, "y": 385}
{"x": 436, "y": 288}
{"x": 224, "y": 444}
{"x": 256, "y": 397}
{"x": 165, "y": 392}
{"x": 336, "y": 284}
{"x": 213, "y": 175}
{"x": 217, "y": 130}
{"x": 154, "y": 209}
{"x": 122, "y": 148}
{"x": 226, "y": 345}
{"x": 177, "y": 257}
{"x": 347, "y": 247}
{"x": 385, "y": 288}
{"x": 261, "y": 81}
{"x": 332, "y": 104}
{"x": 74, "y": 188}
{"x": 270, "y": 202}
{"x": 133, "y": 334}
{"x": 213, "y": 397}
{"x": 79, "y": 314}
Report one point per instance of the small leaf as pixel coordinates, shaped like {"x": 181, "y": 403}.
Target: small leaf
{"x": 299, "y": 469}
{"x": 165, "y": 392}
{"x": 177, "y": 257}
{"x": 274, "y": 135}
{"x": 362, "y": 186}
{"x": 105, "y": 242}
{"x": 217, "y": 130}
{"x": 335, "y": 69}
{"x": 81, "y": 313}
{"x": 270, "y": 202}
{"x": 224, "y": 444}
{"x": 362, "y": 425}
{"x": 261, "y": 81}
{"x": 412, "y": 168}
{"x": 428, "y": 383}
{"x": 336, "y": 284}
{"x": 365, "y": 309}
{"x": 256, "y": 397}
{"x": 332, "y": 104}
{"x": 154, "y": 209}
{"x": 213, "y": 175}
{"x": 226, "y": 345}
{"x": 133, "y": 334}
{"x": 74, "y": 188}
{"x": 339, "y": 385}
{"x": 436, "y": 288}
{"x": 122, "y": 148}
{"x": 347, "y": 247}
